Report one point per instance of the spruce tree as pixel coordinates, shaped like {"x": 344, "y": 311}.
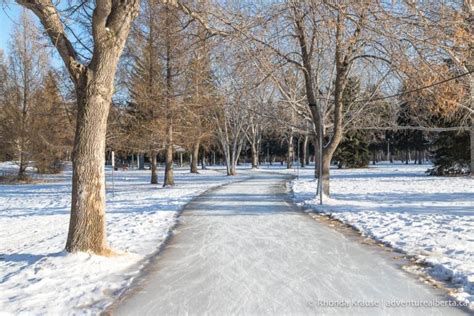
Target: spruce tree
{"x": 451, "y": 154}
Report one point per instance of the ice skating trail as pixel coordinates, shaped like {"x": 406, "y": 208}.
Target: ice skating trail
{"x": 244, "y": 249}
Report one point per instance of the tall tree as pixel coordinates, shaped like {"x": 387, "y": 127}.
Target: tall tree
{"x": 27, "y": 65}
{"x": 94, "y": 84}
{"x": 146, "y": 84}
{"x": 443, "y": 30}
{"x": 52, "y": 131}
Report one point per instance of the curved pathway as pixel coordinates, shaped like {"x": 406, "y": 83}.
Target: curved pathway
{"x": 244, "y": 249}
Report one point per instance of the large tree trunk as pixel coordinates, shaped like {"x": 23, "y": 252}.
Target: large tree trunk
{"x": 94, "y": 88}
{"x": 87, "y": 222}
{"x": 195, "y": 157}
{"x": 154, "y": 174}
{"x": 169, "y": 174}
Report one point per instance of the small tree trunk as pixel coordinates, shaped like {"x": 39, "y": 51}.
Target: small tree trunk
{"x": 407, "y": 156}
{"x": 169, "y": 174}
{"x": 233, "y": 171}
{"x": 255, "y": 154}
{"x": 289, "y": 162}
{"x": 389, "y": 156}
{"x": 154, "y": 174}
{"x": 316, "y": 158}
{"x": 228, "y": 161}
{"x": 203, "y": 160}
{"x": 195, "y": 157}
{"x": 304, "y": 154}
{"x": 233, "y": 163}
{"x": 471, "y": 101}
{"x": 23, "y": 165}
{"x": 141, "y": 162}
{"x": 472, "y": 139}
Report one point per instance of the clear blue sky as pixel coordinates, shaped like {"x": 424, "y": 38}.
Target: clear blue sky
{"x": 8, "y": 15}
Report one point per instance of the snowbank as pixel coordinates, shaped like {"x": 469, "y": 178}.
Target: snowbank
{"x": 429, "y": 217}
{"x": 38, "y": 277}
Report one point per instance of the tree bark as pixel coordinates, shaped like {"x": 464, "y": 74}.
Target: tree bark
{"x": 326, "y": 170}
{"x": 344, "y": 51}
{"x": 154, "y": 174}
{"x": 141, "y": 162}
{"x": 472, "y": 138}
{"x": 87, "y": 222}
{"x": 471, "y": 131}
{"x": 228, "y": 162}
{"x": 195, "y": 156}
{"x": 304, "y": 152}
{"x": 203, "y": 159}
{"x": 169, "y": 174}
{"x": 316, "y": 157}
{"x": 290, "y": 153}
{"x": 255, "y": 154}
{"x": 23, "y": 164}
{"x": 469, "y": 9}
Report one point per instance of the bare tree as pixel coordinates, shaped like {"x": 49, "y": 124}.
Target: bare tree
{"x": 146, "y": 83}
{"x": 230, "y": 116}
{"x": 26, "y": 69}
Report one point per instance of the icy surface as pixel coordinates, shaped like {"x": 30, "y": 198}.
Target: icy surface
{"x": 429, "y": 217}
{"x": 242, "y": 249}
{"x": 37, "y": 277}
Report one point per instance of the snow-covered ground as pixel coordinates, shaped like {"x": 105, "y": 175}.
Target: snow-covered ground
{"x": 429, "y": 217}
{"x": 38, "y": 277}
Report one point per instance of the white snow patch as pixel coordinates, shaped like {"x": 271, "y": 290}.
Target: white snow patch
{"x": 429, "y": 217}
{"x": 38, "y": 277}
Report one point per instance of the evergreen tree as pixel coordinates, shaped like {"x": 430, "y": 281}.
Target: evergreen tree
{"x": 451, "y": 154}
{"x": 408, "y": 140}
{"x": 353, "y": 152}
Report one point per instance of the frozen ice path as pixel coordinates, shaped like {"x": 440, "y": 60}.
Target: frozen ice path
{"x": 243, "y": 249}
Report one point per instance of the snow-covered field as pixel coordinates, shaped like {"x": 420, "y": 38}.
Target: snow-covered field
{"x": 38, "y": 277}
{"x": 429, "y": 217}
